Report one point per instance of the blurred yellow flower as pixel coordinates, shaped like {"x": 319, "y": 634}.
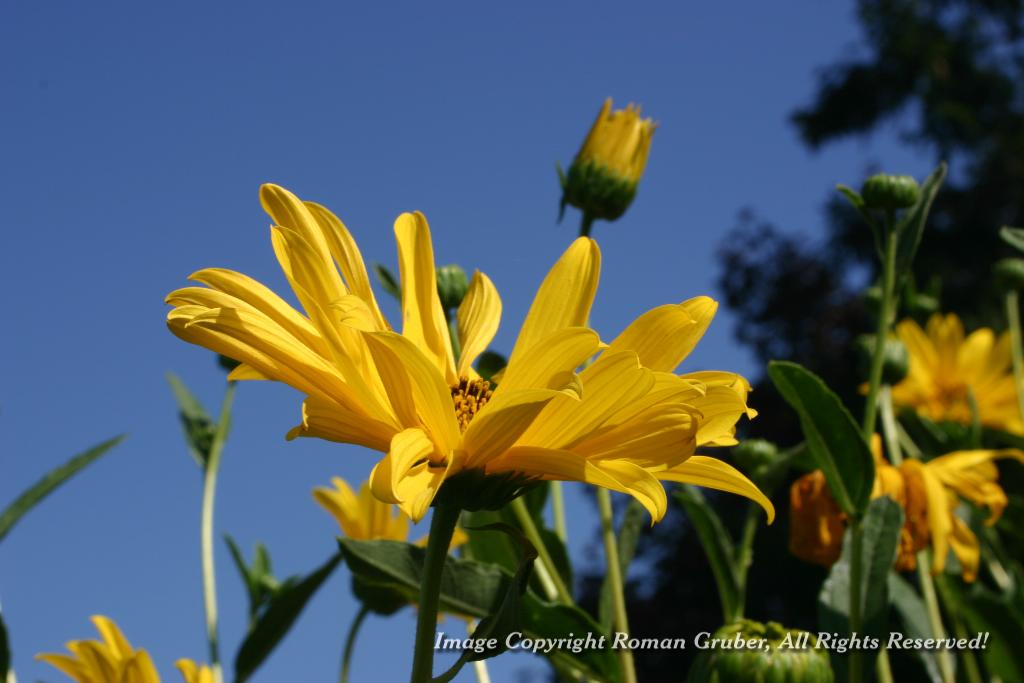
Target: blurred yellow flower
{"x": 946, "y": 368}
{"x": 928, "y": 492}
{"x": 602, "y": 179}
{"x": 194, "y": 673}
{"x": 971, "y": 475}
{"x": 624, "y": 423}
{"x": 113, "y": 660}
{"x": 363, "y": 517}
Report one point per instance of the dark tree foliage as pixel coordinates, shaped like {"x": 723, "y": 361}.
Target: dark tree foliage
{"x": 950, "y": 75}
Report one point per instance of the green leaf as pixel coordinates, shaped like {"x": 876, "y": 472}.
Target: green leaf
{"x": 5, "y": 651}
{"x": 388, "y": 281}
{"x": 633, "y": 522}
{"x": 914, "y": 616}
{"x": 880, "y": 542}
{"x": 284, "y": 608}
{"x": 54, "y": 478}
{"x": 198, "y": 426}
{"x": 1013, "y": 236}
{"x": 911, "y": 227}
{"x": 997, "y": 615}
{"x": 718, "y": 546}
{"x": 477, "y": 590}
{"x": 258, "y": 579}
{"x": 833, "y": 438}
{"x": 378, "y": 598}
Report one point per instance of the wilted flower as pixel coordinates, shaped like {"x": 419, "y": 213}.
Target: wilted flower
{"x": 624, "y": 423}
{"x": 114, "y": 660}
{"x": 947, "y": 369}
{"x": 602, "y": 179}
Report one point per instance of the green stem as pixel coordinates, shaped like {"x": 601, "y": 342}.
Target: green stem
{"x": 206, "y": 529}
{"x": 885, "y": 313}
{"x": 586, "y": 223}
{"x": 350, "y": 643}
{"x": 856, "y": 553}
{"x": 547, "y": 571}
{"x": 1013, "y": 320}
{"x": 615, "y": 579}
{"x": 442, "y": 526}
{"x": 890, "y": 429}
{"x": 558, "y": 510}
{"x": 744, "y": 558}
{"x": 883, "y": 670}
{"x": 971, "y": 669}
{"x": 931, "y": 601}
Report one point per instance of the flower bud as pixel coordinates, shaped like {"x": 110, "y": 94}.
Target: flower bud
{"x": 753, "y": 454}
{"x": 602, "y": 179}
{"x": 789, "y": 656}
{"x": 895, "y": 361}
{"x": 1009, "y": 274}
{"x": 452, "y": 284}
{"x": 890, "y": 192}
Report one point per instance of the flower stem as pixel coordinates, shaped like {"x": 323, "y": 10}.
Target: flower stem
{"x": 856, "y": 553}
{"x": 1013, "y": 321}
{"x": 350, "y": 642}
{"x": 547, "y": 571}
{"x": 931, "y": 601}
{"x": 615, "y": 579}
{"x": 206, "y": 529}
{"x": 442, "y": 526}
{"x": 558, "y": 509}
{"x": 885, "y": 313}
{"x": 890, "y": 429}
{"x": 744, "y": 558}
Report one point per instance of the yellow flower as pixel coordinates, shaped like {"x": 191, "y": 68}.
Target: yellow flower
{"x": 946, "y": 368}
{"x": 971, "y": 475}
{"x": 362, "y": 517}
{"x": 928, "y": 492}
{"x": 624, "y": 422}
{"x": 194, "y": 673}
{"x": 603, "y": 177}
{"x": 114, "y": 660}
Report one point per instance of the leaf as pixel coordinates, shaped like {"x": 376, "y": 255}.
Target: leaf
{"x": 198, "y": 426}
{"x": 474, "y": 589}
{"x": 911, "y": 226}
{"x": 54, "y": 478}
{"x": 1013, "y": 236}
{"x": 858, "y": 203}
{"x": 718, "y": 546}
{"x": 5, "y": 651}
{"x": 833, "y": 438}
{"x": 284, "y": 608}
{"x": 914, "y": 616}
{"x": 633, "y": 522}
{"x": 259, "y": 582}
{"x": 880, "y": 541}
{"x": 997, "y": 615}
{"x": 388, "y": 281}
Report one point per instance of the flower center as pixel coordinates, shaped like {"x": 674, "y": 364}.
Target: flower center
{"x": 469, "y": 396}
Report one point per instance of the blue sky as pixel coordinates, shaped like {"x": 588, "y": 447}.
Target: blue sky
{"x": 135, "y": 137}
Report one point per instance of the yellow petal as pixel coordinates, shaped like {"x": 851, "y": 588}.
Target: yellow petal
{"x": 140, "y": 669}
{"x": 112, "y": 636}
{"x": 342, "y": 504}
{"x": 478, "y": 318}
{"x": 664, "y": 336}
{"x": 721, "y": 408}
{"x": 966, "y": 548}
{"x": 288, "y": 211}
{"x": 940, "y": 515}
{"x": 325, "y": 419}
{"x": 551, "y": 363}
{"x": 406, "y": 476}
{"x": 416, "y": 388}
{"x": 423, "y": 320}
{"x": 564, "y": 298}
{"x": 662, "y": 436}
{"x": 973, "y": 475}
{"x": 501, "y": 422}
{"x": 346, "y": 253}
{"x": 68, "y": 665}
{"x": 243, "y": 372}
{"x": 714, "y": 474}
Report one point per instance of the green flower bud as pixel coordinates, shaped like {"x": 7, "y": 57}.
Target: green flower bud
{"x": 788, "y": 656}
{"x": 227, "y": 364}
{"x": 474, "y": 490}
{"x": 452, "y": 284}
{"x": 753, "y": 454}
{"x": 1009, "y": 273}
{"x": 922, "y": 305}
{"x": 895, "y": 360}
{"x": 890, "y": 192}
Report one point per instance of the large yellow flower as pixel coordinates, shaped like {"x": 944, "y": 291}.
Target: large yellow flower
{"x": 114, "y": 660}
{"x": 946, "y": 368}
{"x": 624, "y": 422}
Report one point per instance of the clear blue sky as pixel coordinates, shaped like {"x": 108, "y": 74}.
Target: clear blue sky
{"x": 134, "y": 138}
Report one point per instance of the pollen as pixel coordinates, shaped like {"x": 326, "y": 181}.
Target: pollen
{"x": 469, "y": 396}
